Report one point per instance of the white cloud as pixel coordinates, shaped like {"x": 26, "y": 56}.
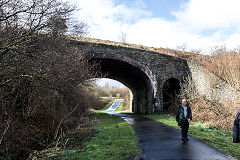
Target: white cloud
{"x": 218, "y": 18}
{"x": 106, "y": 19}
{"x": 201, "y": 24}
{"x": 209, "y": 14}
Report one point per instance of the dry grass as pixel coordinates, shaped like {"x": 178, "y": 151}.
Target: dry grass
{"x": 167, "y": 51}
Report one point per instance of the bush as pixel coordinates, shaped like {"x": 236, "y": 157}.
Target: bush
{"x": 107, "y": 91}
{"x": 225, "y": 64}
{"x": 127, "y": 101}
{"x": 210, "y": 112}
{"x": 43, "y": 78}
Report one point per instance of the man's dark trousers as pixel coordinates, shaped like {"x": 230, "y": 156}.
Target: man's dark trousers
{"x": 184, "y": 129}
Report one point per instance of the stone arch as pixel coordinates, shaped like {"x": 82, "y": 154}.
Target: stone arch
{"x": 133, "y": 75}
{"x": 134, "y": 63}
{"x": 170, "y": 93}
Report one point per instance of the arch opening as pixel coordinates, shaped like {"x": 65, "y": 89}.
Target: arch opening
{"x": 110, "y": 89}
{"x": 171, "y": 95}
{"x": 132, "y": 77}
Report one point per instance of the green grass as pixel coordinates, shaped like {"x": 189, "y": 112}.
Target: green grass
{"x": 114, "y": 139}
{"x": 120, "y": 107}
{"x": 219, "y": 139}
{"x": 107, "y": 106}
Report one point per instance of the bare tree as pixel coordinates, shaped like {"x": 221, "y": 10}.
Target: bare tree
{"x": 42, "y": 77}
{"x": 182, "y": 47}
{"x": 78, "y": 29}
{"x": 57, "y": 25}
{"x": 123, "y": 37}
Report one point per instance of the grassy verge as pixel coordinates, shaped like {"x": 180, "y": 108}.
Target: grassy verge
{"x": 120, "y": 107}
{"x": 107, "y": 106}
{"x": 114, "y": 139}
{"x": 219, "y": 139}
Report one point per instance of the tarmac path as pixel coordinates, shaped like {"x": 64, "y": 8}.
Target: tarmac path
{"x": 159, "y": 141}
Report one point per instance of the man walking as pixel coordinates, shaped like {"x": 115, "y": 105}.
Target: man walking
{"x": 183, "y": 117}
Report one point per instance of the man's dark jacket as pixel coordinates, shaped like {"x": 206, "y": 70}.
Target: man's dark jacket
{"x": 236, "y": 129}
{"x": 180, "y": 114}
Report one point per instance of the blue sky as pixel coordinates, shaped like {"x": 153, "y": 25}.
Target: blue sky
{"x": 159, "y": 8}
{"x": 201, "y": 24}
{"x": 198, "y": 24}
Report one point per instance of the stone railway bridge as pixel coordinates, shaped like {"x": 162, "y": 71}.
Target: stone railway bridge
{"x": 152, "y": 76}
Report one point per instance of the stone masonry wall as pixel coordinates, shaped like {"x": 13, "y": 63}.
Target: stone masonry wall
{"x": 211, "y": 86}
{"x": 159, "y": 67}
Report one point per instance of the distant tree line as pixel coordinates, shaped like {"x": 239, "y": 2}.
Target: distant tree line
{"x": 111, "y": 91}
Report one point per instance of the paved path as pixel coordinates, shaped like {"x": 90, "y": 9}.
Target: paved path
{"x": 113, "y": 107}
{"x": 159, "y": 141}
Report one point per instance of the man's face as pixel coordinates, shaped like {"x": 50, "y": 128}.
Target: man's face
{"x": 184, "y": 102}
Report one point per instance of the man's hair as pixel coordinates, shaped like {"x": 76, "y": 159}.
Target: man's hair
{"x": 184, "y": 100}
